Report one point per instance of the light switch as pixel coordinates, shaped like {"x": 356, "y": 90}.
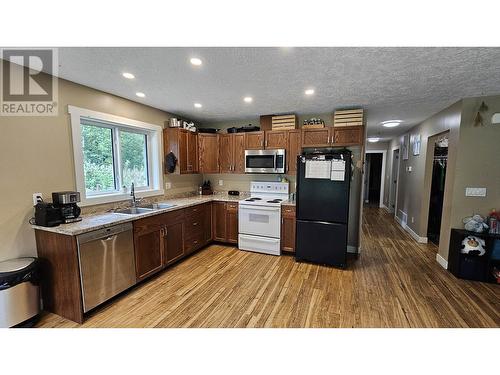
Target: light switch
{"x": 475, "y": 192}
{"x": 221, "y": 182}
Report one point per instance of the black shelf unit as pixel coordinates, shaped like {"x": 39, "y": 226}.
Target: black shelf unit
{"x": 473, "y": 267}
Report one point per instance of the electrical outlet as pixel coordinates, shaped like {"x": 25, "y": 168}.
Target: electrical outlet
{"x": 37, "y": 197}
{"x": 168, "y": 185}
{"x": 221, "y": 182}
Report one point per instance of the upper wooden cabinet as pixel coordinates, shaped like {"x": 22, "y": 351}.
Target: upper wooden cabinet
{"x": 348, "y": 135}
{"x": 254, "y": 140}
{"x": 316, "y": 137}
{"x": 276, "y": 139}
{"x": 208, "y": 153}
{"x": 333, "y": 136}
{"x": 232, "y": 153}
{"x": 184, "y": 144}
{"x": 293, "y": 150}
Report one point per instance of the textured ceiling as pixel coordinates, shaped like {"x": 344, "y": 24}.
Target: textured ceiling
{"x": 408, "y": 84}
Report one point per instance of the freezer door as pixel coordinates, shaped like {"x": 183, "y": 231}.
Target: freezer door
{"x": 321, "y": 243}
{"x": 322, "y": 199}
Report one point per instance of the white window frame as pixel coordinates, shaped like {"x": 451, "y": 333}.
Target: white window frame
{"x": 154, "y": 155}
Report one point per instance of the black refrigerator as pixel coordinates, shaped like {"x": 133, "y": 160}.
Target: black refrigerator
{"x": 322, "y": 205}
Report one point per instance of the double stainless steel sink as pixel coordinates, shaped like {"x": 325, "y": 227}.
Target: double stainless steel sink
{"x": 144, "y": 209}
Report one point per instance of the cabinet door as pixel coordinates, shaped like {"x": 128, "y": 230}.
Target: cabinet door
{"x": 207, "y": 223}
{"x": 316, "y": 137}
{"x": 232, "y": 222}
{"x": 352, "y": 135}
{"x": 254, "y": 140}
{"x": 219, "y": 221}
{"x": 239, "y": 153}
{"x": 293, "y": 150}
{"x": 173, "y": 242}
{"x": 276, "y": 139}
{"x": 183, "y": 151}
{"x": 225, "y": 153}
{"x": 148, "y": 243}
{"x": 288, "y": 229}
{"x": 208, "y": 153}
{"x": 192, "y": 152}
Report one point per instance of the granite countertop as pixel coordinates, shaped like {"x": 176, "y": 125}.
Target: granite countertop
{"x": 101, "y": 220}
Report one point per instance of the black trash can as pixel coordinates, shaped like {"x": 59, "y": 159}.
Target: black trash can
{"x": 19, "y": 292}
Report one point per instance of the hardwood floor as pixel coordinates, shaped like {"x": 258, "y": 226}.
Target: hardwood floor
{"x": 395, "y": 282}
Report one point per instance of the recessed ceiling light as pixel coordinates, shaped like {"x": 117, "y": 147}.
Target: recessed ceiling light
{"x": 195, "y": 61}
{"x": 247, "y": 99}
{"x": 309, "y": 91}
{"x": 128, "y": 75}
{"x": 198, "y": 105}
{"x": 391, "y": 123}
{"x": 140, "y": 94}
{"x": 373, "y": 139}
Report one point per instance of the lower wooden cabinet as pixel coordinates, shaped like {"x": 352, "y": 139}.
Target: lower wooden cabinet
{"x": 288, "y": 228}
{"x": 225, "y": 221}
{"x": 173, "y": 242}
{"x": 232, "y": 222}
{"x": 148, "y": 245}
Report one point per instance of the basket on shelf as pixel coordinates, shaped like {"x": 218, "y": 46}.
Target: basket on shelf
{"x": 349, "y": 117}
{"x": 284, "y": 122}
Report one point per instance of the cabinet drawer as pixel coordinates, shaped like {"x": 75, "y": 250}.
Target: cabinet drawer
{"x": 288, "y": 211}
{"x": 172, "y": 217}
{"x": 195, "y": 210}
{"x": 193, "y": 242}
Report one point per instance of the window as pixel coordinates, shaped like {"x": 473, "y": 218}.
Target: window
{"x": 111, "y": 153}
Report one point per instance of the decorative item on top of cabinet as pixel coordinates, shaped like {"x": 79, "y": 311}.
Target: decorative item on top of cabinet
{"x": 288, "y": 228}
{"x": 208, "y": 153}
{"x": 284, "y": 122}
{"x": 184, "y": 145}
{"x": 254, "y": 140}
{"x": 266, "y": 122}
{"x": 348, "y": 117}
{"x": 232, "y": 153}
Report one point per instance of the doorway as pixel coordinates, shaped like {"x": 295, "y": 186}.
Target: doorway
{"x": 439, "y": 164}
{"x": 374, "y": 178}
{"x": 393, "y": 190}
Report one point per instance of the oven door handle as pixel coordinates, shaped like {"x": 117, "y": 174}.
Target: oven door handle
{"x": 259, "y": 208}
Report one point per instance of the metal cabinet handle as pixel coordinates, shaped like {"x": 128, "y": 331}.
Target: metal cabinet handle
{"x": 195, "y": 224}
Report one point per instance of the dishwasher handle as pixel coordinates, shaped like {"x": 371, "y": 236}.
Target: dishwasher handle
{"x": 105, "y": 234}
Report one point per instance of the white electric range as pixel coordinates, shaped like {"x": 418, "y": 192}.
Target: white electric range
{"x": 259, "y": 217}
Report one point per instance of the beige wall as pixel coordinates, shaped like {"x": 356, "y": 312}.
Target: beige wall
{"x": 36, "y": 156}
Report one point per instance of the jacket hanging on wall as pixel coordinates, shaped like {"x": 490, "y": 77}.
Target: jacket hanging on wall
{"x": 170, "y": 162}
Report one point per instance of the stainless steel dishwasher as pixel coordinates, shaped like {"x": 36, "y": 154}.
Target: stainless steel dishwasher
{"x": 107, "y": 264}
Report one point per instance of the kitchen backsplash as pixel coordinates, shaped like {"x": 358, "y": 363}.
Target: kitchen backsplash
{"x": 241, "y": 182}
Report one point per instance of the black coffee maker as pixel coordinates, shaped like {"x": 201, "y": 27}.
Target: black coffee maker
{"x": 66, "y": 203}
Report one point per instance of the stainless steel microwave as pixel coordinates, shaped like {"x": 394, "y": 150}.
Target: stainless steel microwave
{"x": 265, "y": 161}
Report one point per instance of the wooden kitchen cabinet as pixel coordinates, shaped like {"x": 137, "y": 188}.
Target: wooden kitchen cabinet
{"x": 276, "y": 139}
{"x": 148, "y": 245}
{"x": 288, "y": 228}
{"x": 254, "y": 140}
{"x": 317, "y": 137}
{"x": 173, "y": 242}
{"x": 225, "y": 222}
{"x": 232, "y": 153}
{"x": 219, "y": 221}
{"x": 294, "y": 148}
{"x": 348, "y": 135}
{"x": 208, "y": 153}
{"x": 184, "y": 144}
{"x": 232, "y": 222}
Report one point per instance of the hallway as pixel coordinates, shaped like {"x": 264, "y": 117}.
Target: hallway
{"x": 395, "y": 282}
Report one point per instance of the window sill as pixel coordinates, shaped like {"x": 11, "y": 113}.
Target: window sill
{"x": 118, "y": 197}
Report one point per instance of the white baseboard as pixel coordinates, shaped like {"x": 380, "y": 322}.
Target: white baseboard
{"x": 385, "y": 207}
{"x": 415, "y": 236}
{"x": 443, "y": 262}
